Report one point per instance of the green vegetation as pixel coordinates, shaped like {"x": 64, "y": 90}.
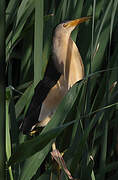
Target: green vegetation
{"x": 2, "y": 90}
{"x": 85, "y": 124}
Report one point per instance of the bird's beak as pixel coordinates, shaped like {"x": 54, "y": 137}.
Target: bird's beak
{"x": 75, "y": 22}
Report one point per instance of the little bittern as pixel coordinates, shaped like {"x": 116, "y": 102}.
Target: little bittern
{"x": 62, "y": 72}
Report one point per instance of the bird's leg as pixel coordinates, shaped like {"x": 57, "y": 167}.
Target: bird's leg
{"x": 54, "y": 146}
{"x": 56, "y": 165}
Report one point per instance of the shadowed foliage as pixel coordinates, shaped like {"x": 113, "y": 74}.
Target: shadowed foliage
{"x": 85, "y": 125}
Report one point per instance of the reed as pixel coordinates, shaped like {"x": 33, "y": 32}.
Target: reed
{"x": 85, "y": 123}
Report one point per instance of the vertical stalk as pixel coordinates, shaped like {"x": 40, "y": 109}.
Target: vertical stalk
{"x": 104, "y": 147}
{"x": 38, "y": 41}
{"x": 105, "y": 134}
{"x": 2, "y": 90}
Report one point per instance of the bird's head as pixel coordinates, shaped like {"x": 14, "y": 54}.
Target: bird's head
{"x": 69, "y": 26}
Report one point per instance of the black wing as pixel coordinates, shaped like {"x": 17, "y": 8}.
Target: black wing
{"x": 50, "y": 78}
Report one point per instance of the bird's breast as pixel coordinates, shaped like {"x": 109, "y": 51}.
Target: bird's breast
{"x": 52, "y": 100}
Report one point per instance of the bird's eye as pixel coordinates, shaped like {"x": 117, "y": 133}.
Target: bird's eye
{"x": 65, "y": 25}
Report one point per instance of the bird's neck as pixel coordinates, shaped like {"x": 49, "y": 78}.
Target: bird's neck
{"x": 74, "y": 68}
{"x": 68, "y": 60}
{"x": 60, "y": 46}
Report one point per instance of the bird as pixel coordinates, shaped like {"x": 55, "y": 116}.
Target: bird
{"x": 63, "y": 71}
